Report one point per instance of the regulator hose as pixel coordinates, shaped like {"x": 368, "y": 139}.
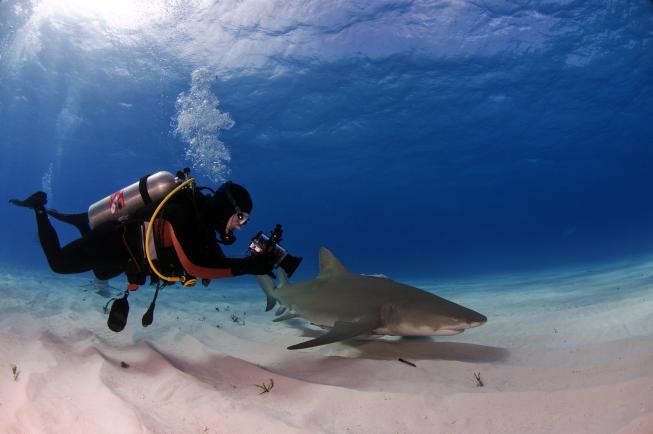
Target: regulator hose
{"x": 148, "y": 234}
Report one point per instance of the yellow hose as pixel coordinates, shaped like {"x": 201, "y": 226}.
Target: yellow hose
{"x": 149, "y": 232}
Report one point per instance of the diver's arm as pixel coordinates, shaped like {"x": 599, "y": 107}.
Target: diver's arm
{"x": 231, "y": 266}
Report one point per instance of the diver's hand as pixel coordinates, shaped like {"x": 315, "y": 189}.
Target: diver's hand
{"x": 257, "y": 265}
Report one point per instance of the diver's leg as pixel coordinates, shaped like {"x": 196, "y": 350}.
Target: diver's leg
{"x": 39, "y": 199}
{"x": 80, "y": 221}
{"x": 100, "y": 252}
{"x": 106, "y": 273}
{"x": 72, "y": 258}
{"x": 47, "y": 235}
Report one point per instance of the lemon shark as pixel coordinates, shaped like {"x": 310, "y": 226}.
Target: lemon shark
{"x": 352, "y": 304}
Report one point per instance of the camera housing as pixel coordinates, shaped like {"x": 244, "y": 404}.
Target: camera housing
{"x": 262, "y": 243}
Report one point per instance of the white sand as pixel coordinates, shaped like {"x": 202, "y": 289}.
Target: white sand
{"x": 566, "y": 353}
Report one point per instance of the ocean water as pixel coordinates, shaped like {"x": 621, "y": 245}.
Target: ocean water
{"x": 418, "y": 139}
{"x": 497, "y": 153}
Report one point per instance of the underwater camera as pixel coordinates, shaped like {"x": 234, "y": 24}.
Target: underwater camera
{"x": 262, "y": 243}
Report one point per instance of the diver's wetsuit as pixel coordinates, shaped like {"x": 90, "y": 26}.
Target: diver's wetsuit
{"x": 114, "y": 248}
{"x": 101, "y": 250}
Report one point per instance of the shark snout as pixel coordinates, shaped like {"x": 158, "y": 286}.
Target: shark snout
{"x": 468, "y": 322}
{"x": 475, "y": 319}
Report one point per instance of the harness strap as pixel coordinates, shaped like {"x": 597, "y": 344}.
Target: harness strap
{"x": 134, "y": 271}
{"x": 142, "y": 189}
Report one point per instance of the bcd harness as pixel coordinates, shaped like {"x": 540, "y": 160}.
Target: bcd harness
{"x": 136, "y": 272}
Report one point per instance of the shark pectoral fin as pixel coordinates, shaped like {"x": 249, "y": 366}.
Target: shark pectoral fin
{"x": 289, "y": 315}
{"x": 270, "y": 304}
{"x": 283, "y": 278}
{"x": 340, "y": 331}
{"x": 267, "y": 285}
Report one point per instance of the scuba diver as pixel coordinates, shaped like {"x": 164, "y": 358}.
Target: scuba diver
{"x": 175, "y": 243}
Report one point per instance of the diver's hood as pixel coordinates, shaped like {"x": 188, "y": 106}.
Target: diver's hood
{"x": 220, "y": 207}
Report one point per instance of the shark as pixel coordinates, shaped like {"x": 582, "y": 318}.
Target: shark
{"x": 102, "y": 288}
{"x": 349, "y": 305}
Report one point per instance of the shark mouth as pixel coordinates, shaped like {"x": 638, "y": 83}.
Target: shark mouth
{"x": 449, "y": 332}
{"x": 411, "y": 330}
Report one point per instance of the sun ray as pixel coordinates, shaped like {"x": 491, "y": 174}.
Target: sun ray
{"x": 114, "y": 14}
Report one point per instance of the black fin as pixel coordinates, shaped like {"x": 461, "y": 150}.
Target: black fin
{"x": 35, "y": 201}
{"x": 80, "y": 221}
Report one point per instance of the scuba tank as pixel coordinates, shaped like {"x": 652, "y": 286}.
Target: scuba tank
{"x": 122, "y": 204}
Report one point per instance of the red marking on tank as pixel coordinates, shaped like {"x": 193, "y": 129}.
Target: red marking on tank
{"x": 116, "y": 202}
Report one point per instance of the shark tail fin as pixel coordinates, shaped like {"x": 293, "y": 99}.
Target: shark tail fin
{"x": 267, "y": 284}
{"x": 283, "y": 277}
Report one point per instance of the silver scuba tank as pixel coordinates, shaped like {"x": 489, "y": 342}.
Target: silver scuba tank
{"x": 123, "y": 203}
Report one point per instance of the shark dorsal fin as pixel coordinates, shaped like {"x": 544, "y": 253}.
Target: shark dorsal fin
{"x": 329, "y": 264}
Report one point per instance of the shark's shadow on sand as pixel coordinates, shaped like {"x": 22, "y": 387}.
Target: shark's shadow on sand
{"x": 372, "y": 363}
{"x": 375, "y": 367}
{"x": 428, "y": 349}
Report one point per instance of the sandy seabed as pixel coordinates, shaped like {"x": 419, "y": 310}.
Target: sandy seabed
{"x": 569, "y": 352}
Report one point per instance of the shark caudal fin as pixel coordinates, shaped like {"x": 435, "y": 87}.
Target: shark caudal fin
{"x": 329, "y": 264}
{"x": 267, "y": 284}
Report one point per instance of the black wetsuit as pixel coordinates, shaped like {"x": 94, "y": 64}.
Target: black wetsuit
{"x": 116, "y": 247}
{"x": 101, "y": 250}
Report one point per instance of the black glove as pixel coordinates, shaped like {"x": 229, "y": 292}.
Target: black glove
{"x": 258, "y": 265}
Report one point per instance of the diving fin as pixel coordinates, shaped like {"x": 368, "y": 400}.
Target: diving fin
{"x": 35, "y": 201}
{"x": 80, "y": 221}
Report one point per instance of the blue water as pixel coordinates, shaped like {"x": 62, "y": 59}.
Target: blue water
{"x": 418, "y": 139}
